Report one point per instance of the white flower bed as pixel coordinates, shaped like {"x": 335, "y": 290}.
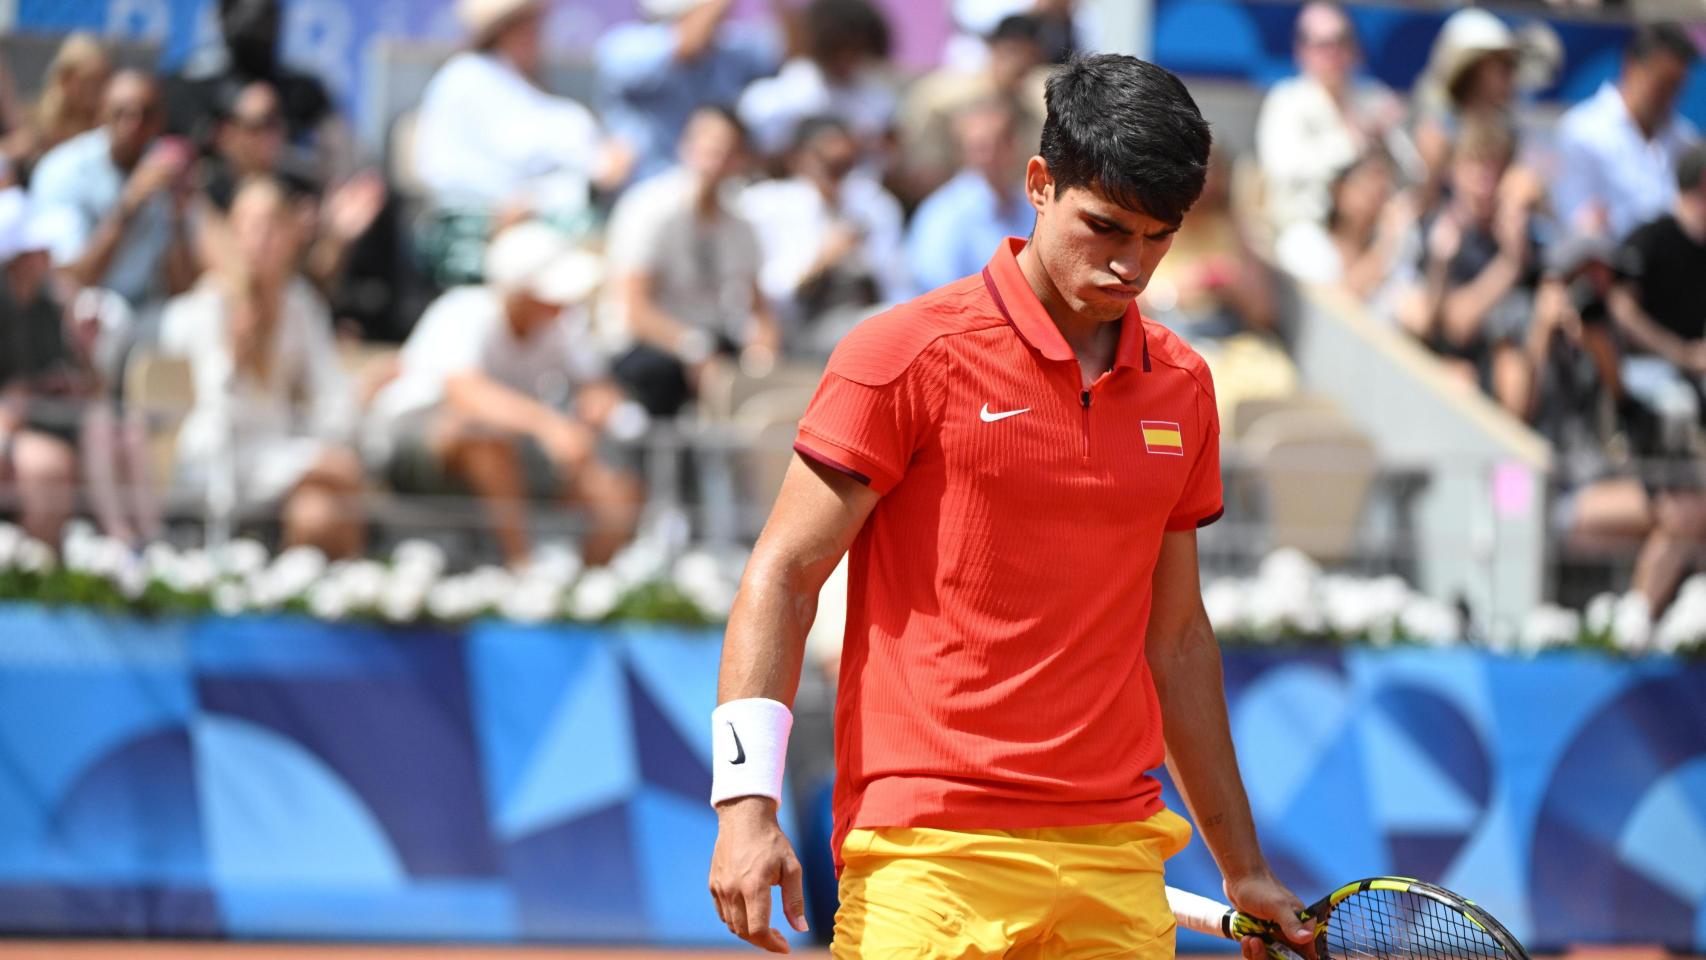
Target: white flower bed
{"x": 1289, "y": 601}
{"x": 411, "y": 587}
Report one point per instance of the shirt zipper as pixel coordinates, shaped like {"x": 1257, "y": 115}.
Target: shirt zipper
{"x": 1084, "y": 402}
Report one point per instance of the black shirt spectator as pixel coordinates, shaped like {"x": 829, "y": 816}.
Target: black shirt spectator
{"x": 211, "y": 82}
{"x": 1669, "y": 265}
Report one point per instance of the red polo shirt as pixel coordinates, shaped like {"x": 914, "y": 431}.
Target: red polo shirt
{"x": 993, "y": 673}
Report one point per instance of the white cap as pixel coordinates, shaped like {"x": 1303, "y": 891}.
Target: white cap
{"x": 23, "y": 229}
{"x": 482, "y": 18}
{"x": 536, "y": 259}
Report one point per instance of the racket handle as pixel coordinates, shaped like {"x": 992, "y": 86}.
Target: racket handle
{"x": 1201, "y": 914}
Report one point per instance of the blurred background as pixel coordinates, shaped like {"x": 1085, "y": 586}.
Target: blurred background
{"x": 391, "y": 391}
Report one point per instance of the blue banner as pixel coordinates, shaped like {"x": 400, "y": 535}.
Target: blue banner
{"x": 282, "y": 778}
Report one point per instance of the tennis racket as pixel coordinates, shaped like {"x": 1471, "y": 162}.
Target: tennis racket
{"x": 1383, "y": 918}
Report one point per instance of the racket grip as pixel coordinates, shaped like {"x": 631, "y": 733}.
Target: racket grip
{"x": 1200, "y": 914}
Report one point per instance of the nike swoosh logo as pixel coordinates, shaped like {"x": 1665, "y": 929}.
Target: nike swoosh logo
{"x": 988, "y": 417}
{"x": 740, "y": 751}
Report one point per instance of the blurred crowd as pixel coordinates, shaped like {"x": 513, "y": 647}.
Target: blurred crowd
{"x": 563, "y": 277}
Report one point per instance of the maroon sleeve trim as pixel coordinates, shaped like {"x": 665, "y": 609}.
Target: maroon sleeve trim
{"x": 830, "y": 462}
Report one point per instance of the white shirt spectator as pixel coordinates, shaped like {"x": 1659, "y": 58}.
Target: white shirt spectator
{"x": 487, "y": 135}
{"x": 263, "y": 434}
{"x": 466, "y": 330}
{"x": 703, "y": 271}
{"x": 1302, "y": 142}
{"x": 793, "y": 220}
{"x": 75, "y": 186}
{"x": 1307, "y": 252}
{"x": 773, "y": 108}
{"x": 1603, "y": 158}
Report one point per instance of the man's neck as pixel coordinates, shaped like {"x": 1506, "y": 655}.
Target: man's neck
{"x": 1648, "y": 131}
{"x": 1092, "y": 340}
{"x": 1690, "y": 215}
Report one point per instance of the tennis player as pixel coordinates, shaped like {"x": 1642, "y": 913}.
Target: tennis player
{"x": 1019, "y": 463}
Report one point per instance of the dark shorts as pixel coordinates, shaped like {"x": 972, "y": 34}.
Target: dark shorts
{"x": 414, "y": 467}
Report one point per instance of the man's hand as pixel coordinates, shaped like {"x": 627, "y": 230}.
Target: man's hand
{"x": 753, "y": 855}
{"x": 567, "y": 443}
{"x": 1261, "y": 895}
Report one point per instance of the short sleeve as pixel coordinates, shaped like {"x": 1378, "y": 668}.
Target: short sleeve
{"x": 636, "y": 58}
{"x": 864, "y": 428}
{"x": 1200, "y": 504}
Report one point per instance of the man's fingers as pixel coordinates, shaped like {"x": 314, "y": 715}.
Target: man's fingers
{"x": 734, "y": 913}
{"x": 756, "y": 900}
{"x": 794, "y": 895}
{"x": 1253, "y": 948}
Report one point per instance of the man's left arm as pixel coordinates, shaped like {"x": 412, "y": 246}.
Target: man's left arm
{"x": 1184, "y": 659}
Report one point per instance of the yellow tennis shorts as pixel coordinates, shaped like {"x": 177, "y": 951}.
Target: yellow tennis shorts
{"x": 1061, "y": 893}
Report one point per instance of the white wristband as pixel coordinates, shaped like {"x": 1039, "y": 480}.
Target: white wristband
{"x": 749, "y": 744}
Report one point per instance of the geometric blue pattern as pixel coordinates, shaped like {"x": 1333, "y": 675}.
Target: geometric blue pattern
{"x": 507, "y": 784}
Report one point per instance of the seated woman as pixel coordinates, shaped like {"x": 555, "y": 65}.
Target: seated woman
{"x": 273, "y": 408}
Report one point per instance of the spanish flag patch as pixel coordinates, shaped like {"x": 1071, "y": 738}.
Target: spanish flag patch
{"x": 1163, "y": 436}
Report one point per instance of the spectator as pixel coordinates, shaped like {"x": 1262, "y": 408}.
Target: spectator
{"x": 1011, "y": 74}
{"x": 831, "y": 239}
{"x": 272, "y": 407}
{"x": 112, "y": 443}
{"x": 249, "y": 52}
{"x": 475, "y": 405}
{"x": 685, "y": 269}
{"x": 1472, "y": 71}
{"x": 1596, "y": 499}
{"x": 1479, "y": 269}
{"x": 17, "y": 137}
{"x": 1315, "y": 124}
{"x": 494, "y": 147}
{"x": 842, "y": 75}
{"x": 1211, "y": 283}
{"x": 686, "y": 55}
{"x": 1617, "y": 150}
{"x": 38, "y": 454}
{"x": 1369, "y": 243}
{"x": 117, "y": 199}
{"x": 1660, "y": 305}
{"x": 1062, "y": 27}
{"x": 70, "y": 101}
{"x": 249, "y": 141}
{"x": 957, "y": 227}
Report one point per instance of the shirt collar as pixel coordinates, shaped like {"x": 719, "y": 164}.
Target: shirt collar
{"x": 1019, "y": 304}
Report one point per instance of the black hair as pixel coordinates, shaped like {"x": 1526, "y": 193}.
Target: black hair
{"x": 727, "y": 114}
{"x": 832, "y": 26}
{"x": 1691, "y": 168}
{"x": 1375, "y": 155}
{"x": 1018, "y": 26}
{"x": 1129, "y": 130}
{"x": 813, "y": 127}
{"x": 1651, "y": 39}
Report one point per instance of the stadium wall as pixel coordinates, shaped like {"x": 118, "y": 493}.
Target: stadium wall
{"x": 278, "y": 778}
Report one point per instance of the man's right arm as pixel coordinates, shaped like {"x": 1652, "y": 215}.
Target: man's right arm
{"x": 817, "y": 515}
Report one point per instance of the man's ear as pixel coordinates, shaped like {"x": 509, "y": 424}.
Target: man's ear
{"x": 1039, "y": 183}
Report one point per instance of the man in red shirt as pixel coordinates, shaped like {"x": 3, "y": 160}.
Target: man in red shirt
{"x": 1018, "y": 462}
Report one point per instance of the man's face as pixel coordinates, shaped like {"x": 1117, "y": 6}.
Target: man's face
{"x": 254, "y": 136}
{"x": 522, "y": 40}
{"x": 1010, "y": 60}
{"x": 1098, "y": 254}
{"x": 711, "y": 147}
{"x": 529, "y": 315}
{"x": 986, "y": 144}
{"x": 1326, "y": 46}
{"x": 834, "y": 153}
{"x": 1475, "y": 183}
{"x": 132, "y": 117}
{"x": 1652, "y": 87}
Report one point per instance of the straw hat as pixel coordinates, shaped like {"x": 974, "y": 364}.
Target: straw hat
{"x": 1471, "y": 34}
{"x": 484, "y": 18}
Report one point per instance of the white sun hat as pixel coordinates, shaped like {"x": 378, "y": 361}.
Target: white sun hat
{"x": 536, "y": 259}
{"x": 482, "y": 18}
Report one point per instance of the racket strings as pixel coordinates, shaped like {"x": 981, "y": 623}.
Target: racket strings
{"x": 1396, "y": 925}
